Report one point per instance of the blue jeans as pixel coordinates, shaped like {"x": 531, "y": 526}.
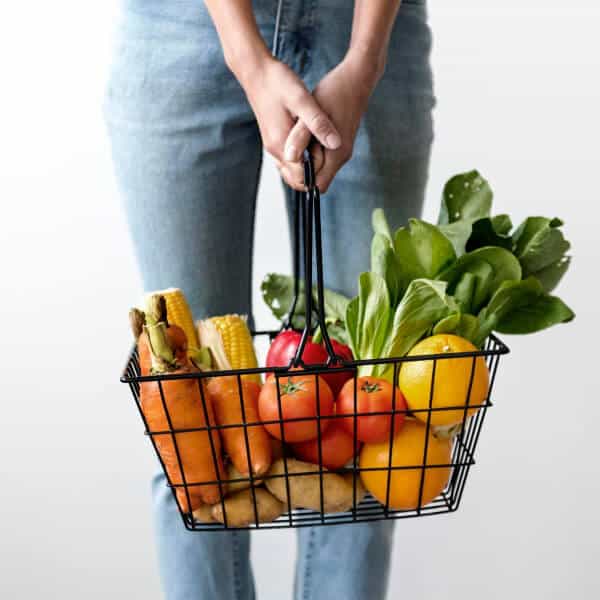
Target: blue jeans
{"x": 187, "y": 155}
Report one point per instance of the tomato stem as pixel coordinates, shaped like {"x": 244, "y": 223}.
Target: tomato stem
{"x": 370, "y": 387}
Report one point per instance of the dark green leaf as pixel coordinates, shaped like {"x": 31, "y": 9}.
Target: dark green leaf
{"x": 424, "y": 304}
{"x": 464, "y": 325}
{"x": 483, "y": 233}
{"x": 551, "y": 275}
{"x": 490, "y": 265}
{"x": 539, "y": 242}
{"x": 422, "y": 250}
{"x": 464, "y": 292}
{"x": 466, "y": 196}
{"x": 502, "y": 224}
{"x": 543, "y": 312}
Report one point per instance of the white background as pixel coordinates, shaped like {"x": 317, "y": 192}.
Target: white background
{"x": 518, "y": 90}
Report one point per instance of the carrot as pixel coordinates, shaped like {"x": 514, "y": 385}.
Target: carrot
{"x": 162, "y": 349}
{"x": 225, "y": 397}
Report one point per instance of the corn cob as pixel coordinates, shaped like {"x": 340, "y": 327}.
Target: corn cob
{"x": 235, "y": 343}
{"x": 178, "y": 313}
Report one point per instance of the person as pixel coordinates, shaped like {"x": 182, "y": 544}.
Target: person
{"x": 194, "y": 97}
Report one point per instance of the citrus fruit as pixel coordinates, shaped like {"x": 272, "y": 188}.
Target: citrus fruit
{"x": 408, "y": 448}
{"x": 452, "y": 380}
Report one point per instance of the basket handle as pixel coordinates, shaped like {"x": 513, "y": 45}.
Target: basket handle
{"x": 307, "y": 234}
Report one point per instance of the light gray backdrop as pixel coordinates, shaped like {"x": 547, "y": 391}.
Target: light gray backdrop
{"x": 518, "y": 92}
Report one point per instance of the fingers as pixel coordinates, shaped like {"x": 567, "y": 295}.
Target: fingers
{"x": 293, "y": 173}
{"x": 316, "y": 121}
{"x": 297, "y": 142}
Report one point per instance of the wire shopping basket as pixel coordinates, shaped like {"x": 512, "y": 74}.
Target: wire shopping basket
{"x": 314, "y": 495}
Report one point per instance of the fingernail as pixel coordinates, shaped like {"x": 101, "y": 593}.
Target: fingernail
{"x": 290, "y": 153}
{"x": 333, "y": 141}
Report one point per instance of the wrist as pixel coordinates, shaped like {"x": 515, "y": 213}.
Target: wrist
{"x": 369, "y": 57}
{"x": 244, "y": 61}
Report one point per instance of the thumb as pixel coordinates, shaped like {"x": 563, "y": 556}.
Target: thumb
{"x": 316, "y": 120}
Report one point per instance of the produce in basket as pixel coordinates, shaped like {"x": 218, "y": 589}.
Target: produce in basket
{"x": 240, "y": 508}
{"x": 452, "y": 386}
{"x": 337, "y": 447}
{"x": 408, "y": 450}
{"x": 469, "y": 275}
{"x": 301, "y": 398}
{"x": 236, "y": 403}
{"x": 233, "y": 486}
{"x": 373, "y": 395}
{"x": 178, "y": 313}
{"x": 162, "y": 350}
{"x": 232, "y": 341}
{"x": 305, "y": 490}
{"x": 283, "y": 350}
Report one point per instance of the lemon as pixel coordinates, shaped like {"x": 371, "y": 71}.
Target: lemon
{"x": 452, "y": 388}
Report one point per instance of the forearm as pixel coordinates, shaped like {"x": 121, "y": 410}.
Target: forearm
{"x": 371, "y": 29}
{"x": 243, "y": 46}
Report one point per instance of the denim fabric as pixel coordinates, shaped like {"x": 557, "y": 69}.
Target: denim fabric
{"x": 187, "y": 155}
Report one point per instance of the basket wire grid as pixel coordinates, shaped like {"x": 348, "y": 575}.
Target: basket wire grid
{"x": 369, "y": 509}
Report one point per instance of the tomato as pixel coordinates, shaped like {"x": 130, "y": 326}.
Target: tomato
{"x": 337, "y": 380}
{"x": 373, "y": 395}
{"x": 283, "y": 349}
{"x": 298, "y": 400}
{"x": 336, "y": 447}
{"x": 408, "y": 450}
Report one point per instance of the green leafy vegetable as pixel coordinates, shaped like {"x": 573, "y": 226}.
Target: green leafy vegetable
{"x": 540, "y": 245}
{"x": 423, "y": 305}
{"x": 484, "y": 233}
{"x": 490, "y": 266}
{"x": 373, "y": 314}
{"x": 422, "y": 250}
{"x": 521, "y": 307}
{"x": 466, "y": 196}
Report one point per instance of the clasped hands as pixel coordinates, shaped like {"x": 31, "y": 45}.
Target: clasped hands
{"x": 292, "y": 119}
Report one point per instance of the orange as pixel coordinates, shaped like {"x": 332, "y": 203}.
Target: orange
{"x": 407, "y": 450}
{"x": 452, "y": 378}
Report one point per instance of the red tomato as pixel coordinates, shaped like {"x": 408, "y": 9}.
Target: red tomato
{"x": 283, "y": 349}
{"x": 373, "y": 395}
{"x": 336, "y": 447}
{"x": 298, "y": 400}
{"x": 337, "y": 380}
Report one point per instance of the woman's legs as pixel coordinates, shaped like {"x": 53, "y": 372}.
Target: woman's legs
{"x": 389, "y": 169}
{"x": 187, "y": 155}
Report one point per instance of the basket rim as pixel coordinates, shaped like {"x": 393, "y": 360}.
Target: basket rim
{"x": 499, "y": 349}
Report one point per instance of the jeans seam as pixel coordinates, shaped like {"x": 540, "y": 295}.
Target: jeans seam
{"x": 306, "y": 588}
{"x": 237, "y": 583}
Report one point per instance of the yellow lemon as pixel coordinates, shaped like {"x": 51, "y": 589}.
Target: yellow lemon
{"x": 452, "y": 387}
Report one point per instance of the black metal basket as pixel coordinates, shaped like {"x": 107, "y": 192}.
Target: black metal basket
{"x": 464, "y": 443}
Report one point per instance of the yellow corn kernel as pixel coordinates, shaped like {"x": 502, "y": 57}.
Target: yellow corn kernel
{"x": 237, "y": 343}
{"x": 178, "y": 313}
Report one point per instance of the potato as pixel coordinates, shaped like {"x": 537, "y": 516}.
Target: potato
{"x": 240, "y": 508}
{"x": 203, "y": 514}
{"x": 361, "y": 491}
{"x": 305, "y": 489}
{"x": 238, "y": 486}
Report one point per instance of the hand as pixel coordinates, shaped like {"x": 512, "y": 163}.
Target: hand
{"x": 344, "y": 94}
{"x": 279, "y": 100}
